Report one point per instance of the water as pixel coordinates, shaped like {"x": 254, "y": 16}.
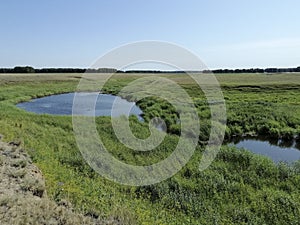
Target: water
{"x": 277, "y": 150}
{"x": 62, "y": 104}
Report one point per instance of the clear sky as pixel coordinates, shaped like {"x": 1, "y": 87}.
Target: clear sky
{"x": 222, "y": 33}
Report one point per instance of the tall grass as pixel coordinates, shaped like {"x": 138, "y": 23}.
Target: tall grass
{"x": 238, "y": 188}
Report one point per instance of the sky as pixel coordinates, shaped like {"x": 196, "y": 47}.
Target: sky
{"x": 223, "y": 34}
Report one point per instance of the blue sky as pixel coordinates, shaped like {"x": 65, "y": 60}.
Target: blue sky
{"x": 223, "y": 34}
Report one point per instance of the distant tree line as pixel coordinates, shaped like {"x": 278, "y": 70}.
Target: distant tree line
{"x": 257, "y": 70}
{"x": 29, "y": 69}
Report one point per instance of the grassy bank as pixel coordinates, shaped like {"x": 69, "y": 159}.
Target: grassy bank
{"x": 238, "y": 188}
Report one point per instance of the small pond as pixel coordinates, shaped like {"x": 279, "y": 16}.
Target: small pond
{"x": 277, "y": 150}
{"x": 62, "y": 104}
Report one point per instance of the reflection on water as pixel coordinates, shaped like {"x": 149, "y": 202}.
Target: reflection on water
{"x": 62, "y": 105}
{"x": 277, "y": 150}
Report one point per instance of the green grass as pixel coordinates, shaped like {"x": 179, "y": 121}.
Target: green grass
{"x": 238, "y": 188}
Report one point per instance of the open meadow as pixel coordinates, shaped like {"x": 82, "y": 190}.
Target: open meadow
{"x": 239, "y": 187}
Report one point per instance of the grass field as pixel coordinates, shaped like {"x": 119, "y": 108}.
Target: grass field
{"x": 238, "y": 188}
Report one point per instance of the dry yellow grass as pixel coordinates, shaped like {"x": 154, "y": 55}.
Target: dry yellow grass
{"x": 23, "y": 198}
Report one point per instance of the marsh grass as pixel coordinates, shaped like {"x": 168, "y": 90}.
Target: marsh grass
{"x": 238, "y": 188}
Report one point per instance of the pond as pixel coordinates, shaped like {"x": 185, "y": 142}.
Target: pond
{"x": 62, "y": 104}
{"x": 277, "y": 150}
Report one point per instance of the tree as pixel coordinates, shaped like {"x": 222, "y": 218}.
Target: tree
{"x": 24, "y": 69}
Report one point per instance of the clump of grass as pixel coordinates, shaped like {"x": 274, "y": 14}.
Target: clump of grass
{"x": 36, "y": 186}
{"x": 19, "y": 163}
{"x": 17, "y": 173}
{"x": 16, "y": 210}
{"x": 1, "y": 160}
{"x": 4, "y": 200}
{"x": 122, "y": 215}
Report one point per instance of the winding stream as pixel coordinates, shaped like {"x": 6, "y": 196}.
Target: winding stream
{"x": 62, "y": 104}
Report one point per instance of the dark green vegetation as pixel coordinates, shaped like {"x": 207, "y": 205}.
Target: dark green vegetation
{"x": 29, "y": 69}
{"x": 238, "y": 188}
{"x": 267, "y": 105}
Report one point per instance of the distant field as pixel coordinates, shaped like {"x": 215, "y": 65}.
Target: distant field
{"x": 224, "y": 79}
{"x": 259, "y": 79}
